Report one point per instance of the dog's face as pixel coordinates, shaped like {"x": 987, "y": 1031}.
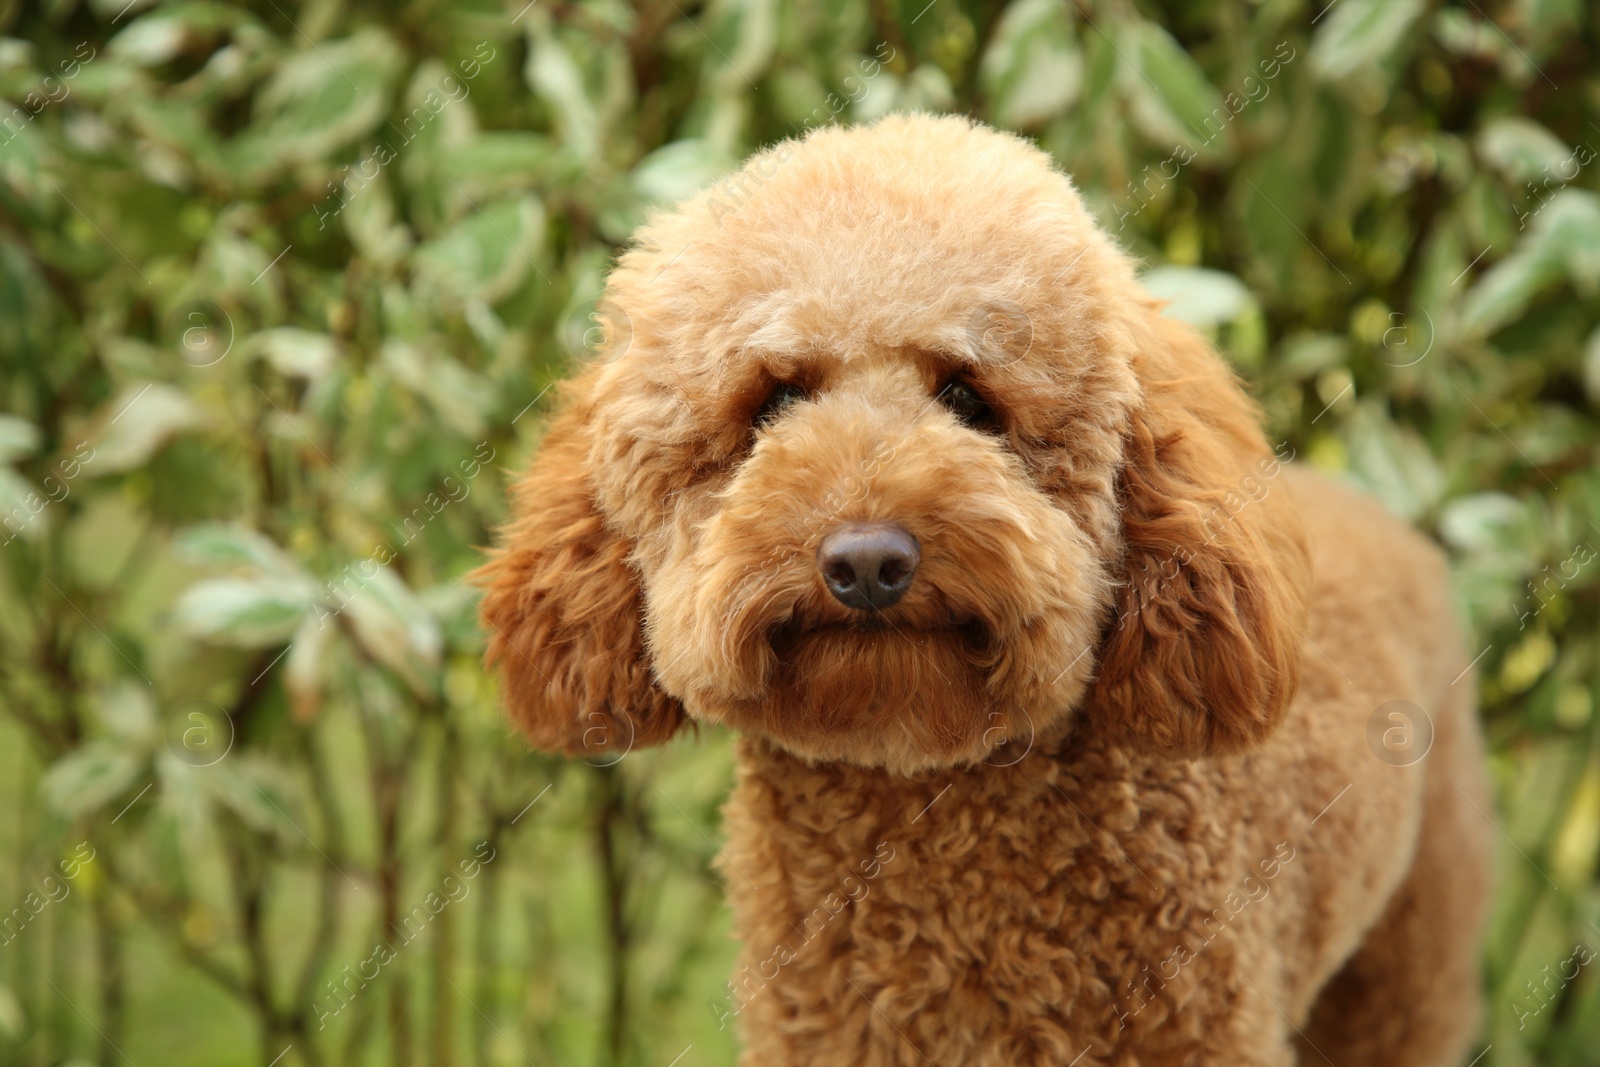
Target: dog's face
{"x": 887, "y": 459}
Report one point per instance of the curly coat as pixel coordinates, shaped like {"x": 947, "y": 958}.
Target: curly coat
{"x": 1099, "y": 789}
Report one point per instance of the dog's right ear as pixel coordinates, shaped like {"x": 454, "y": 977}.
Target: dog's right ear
{"x": 563, "y": 608}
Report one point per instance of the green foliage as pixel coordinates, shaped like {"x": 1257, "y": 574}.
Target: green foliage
{"x": 283, "y": 288}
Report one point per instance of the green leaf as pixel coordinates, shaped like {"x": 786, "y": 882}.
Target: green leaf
{"x": 1392, "y": 462}
{"x": 1172, "y": 101}
{"x": 1032, "y": 70}
{"x": 1521, "y": 148}
{"x": 18, "y": 438}
{"x": 257, "y": 791}
{"x": 305, "y": 668}
{"x": 751, "y": 26}
{"x": 1358, "y": 34}
{"x": 555, "y": 76}
{"x": 183, "y": 804}
{"x": 375, "y": 231}
{"x": 249, "y": 612}
{"x": 1563, "y": 241}
{"x": 13, "y": 1020}
{"x": 499, "y": 158}
{"x": 231, "y": 544}
{"x": 1308, "y": 354}
{"x": 137, "y": 422}
{"x": 1591, "y": 367}
{"x": 317, "y": 101}
{"x": 488, "y": 253}
{"x": 1506, "y": 289}
{"x": 1482, "y": 522}
{"x": 679, "y": 169}
{"x": 462, "y": 398}
{"x": 296, "y": 353}
{"x": 21, "y": 508}
{"x": 395, "y": 629}
{"x": 90, "y": 777}
{"x": 1198, "y": 295}
{"x": 150, "y": 41}
{"x": 128, "y": 711}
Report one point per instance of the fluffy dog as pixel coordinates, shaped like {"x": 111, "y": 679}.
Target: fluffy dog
{"x": 1063, "y": 699}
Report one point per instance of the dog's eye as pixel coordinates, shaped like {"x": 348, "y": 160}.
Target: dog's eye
{"x": 967, "y": 404}
{"x": 783, "y": 394}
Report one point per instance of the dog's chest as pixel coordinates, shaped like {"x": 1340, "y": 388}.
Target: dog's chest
{"x": 1031, "y": 896}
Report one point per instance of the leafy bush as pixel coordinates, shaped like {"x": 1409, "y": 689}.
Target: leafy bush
{"x": 282, "y": 291}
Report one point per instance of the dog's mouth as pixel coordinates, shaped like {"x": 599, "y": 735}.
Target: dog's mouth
{"x": 880, "y": 688}
{"x": 972, "y": 631}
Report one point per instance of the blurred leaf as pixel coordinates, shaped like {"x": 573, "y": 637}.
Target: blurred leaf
{"x": 678, "y": 170}
{"x": 139, "y": 420}
{"x": 394, "y": 628}
{"x": 1572, "y": 854}
{"x": 319, "y": 100}
{"x": 1357, "y": 34}
{"x": 1198, "y": 296}
{"x": 1483, "y": 522}
{"x": 256, "y": 791}
{"x": 151, "y": 40}
{"x": 1306, "y": 355}
{"x": 89, "y": 777}
{"x": 304, "y": 667}
{"x": 18, "y": 438}
{"x": 1564, "y": 241}
{"x": 1033, "y": 68}
{"x": 376, "y": 234}
{"x": 21, "y": 506}
{"x": 249, "y": 612}
{"x": 1591, "y": 366}
{"x": 127, "y": 711}
{"x": 497, "y": 155}
{"x": 461, "y": 398}
{"x": 296, "y": 353}
{"x": 183, "y": 805}
{"x": 555, "y": 76}
{"x": 1520, "y": 147}
{"x": 13, "y": 1020}
{"x": 1393, "y": 463}
{"x": 1173, "y": 103}
{"x": 488, "y": 253}
{"x": 229, "y": 544}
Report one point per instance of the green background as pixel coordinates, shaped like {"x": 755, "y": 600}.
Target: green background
{"x": 283, "y": 284}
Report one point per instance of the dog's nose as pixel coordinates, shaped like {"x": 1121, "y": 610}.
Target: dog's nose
{"x": 868, "y": 565}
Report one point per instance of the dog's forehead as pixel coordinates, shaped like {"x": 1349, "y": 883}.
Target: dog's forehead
{"x": 968, "y": 326}
{"x": 919, "y": 232}
{"x": 897, "y": 211}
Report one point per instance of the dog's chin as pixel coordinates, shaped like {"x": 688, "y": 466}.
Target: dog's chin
{"x": 876, "y": 693}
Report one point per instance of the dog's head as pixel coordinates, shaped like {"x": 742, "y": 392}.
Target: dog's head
{"x": 887, "y": 458}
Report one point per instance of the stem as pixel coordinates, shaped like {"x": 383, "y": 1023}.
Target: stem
{"x": 245, "y": 875}
{"x": 167, "y": 917}
{"x": 111, "y": 974}
{"x": 444, "y": 925}
{"x": 610, "y": 815}
{"x": 328, "y": 901}
{"x": 486, "y": 982}
{"x": 386, "y": 796}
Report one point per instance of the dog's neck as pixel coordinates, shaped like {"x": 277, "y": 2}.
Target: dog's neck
{"x": 1076, "y": 766}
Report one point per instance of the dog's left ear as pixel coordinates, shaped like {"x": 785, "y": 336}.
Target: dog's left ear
{"x": 563, "y": 608}
{"x": 1203, "y": 654}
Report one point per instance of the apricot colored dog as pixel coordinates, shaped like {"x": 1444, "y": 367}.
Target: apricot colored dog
{"x": 1063, "y": 699}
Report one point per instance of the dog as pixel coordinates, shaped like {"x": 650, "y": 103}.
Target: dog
{"x": 1077, "y": 725}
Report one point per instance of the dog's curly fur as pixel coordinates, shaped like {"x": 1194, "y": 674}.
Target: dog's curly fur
{"x": 1099, "y": 789}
